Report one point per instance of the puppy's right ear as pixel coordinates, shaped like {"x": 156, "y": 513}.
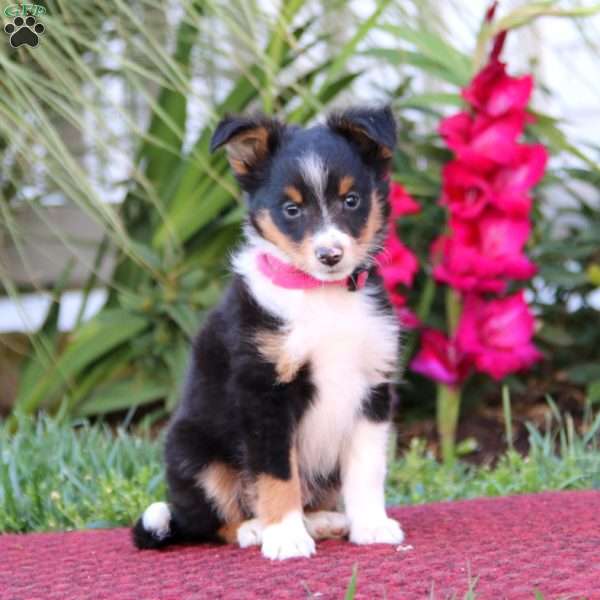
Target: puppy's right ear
{"x": 250, "y": 142}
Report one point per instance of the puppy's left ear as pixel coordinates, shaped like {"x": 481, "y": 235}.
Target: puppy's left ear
{"x": 250, "y": 142}
{"x": 372, "y": 130}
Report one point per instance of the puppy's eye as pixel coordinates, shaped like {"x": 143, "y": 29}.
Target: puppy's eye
{"x": 291, "y": 210}
{"x": 351, "y": 201}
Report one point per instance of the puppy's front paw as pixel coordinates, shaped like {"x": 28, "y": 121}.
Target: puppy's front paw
{"x": 250, "y": 533}
{"x": 379, "y": 531}
{"x": 287, "y": 539}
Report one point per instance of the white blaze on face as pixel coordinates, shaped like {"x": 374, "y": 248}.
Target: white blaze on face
{"x": 314, "y": 173}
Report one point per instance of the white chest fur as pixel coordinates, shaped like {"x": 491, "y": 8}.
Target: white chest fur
{"x": 350, "y": 347}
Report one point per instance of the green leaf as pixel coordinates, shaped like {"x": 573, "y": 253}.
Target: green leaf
{"x": 349, "y": 48}
{"x": 431, "y": 100}
{"x": 593, "y": 392}
{"x": 146, "y": 255}
{"x": 533, "y": 10}
{"x": 556, "y": 336}
{"x": 122, "y": 395}
{"x": 424, "y": 63}
{"x": 351, "y": 589}
{"x": 92, "y": 340}
{"x": 546, "y": 129}
{"x": 185, "y": 222}
{"x": 45, "y": 341}
{"x": 593, "y": 274}
{"x": 104, "y": 370}
{"x": 170, "y": 113}
{"x": 186, "y": 317}
{"x": 584, "y": 373}
{"x": 436, "y": 49}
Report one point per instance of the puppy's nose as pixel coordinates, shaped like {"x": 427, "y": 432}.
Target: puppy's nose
{"x": 329, "y": 256}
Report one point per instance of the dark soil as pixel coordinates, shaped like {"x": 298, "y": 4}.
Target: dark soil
{"x": 485, "y": 422}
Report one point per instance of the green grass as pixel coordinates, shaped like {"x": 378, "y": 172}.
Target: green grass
{"x": 470, "y": 593}
{"x": 56, "y": 475}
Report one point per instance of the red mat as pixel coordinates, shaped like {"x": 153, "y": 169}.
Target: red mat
{"x": 547, "y": 542}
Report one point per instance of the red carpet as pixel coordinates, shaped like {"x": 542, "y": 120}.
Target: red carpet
{"x": 547, "y": 542}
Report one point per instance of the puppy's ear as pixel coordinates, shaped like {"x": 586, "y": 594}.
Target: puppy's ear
{"x": 250, "y": 142}
{"x": 372, "y": 130}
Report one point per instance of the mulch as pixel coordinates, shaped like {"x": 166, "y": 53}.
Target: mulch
{"x": 548, "y": 542}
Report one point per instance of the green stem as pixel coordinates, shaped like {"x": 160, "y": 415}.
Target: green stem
{"x": 448, "y": 400}
{"x": 448, "y": 408}
{"x": 423, "y": 310}
{"x": 453, "y": 310}
{"x": 483, "y": 40}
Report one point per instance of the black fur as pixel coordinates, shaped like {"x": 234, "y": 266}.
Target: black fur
{"x": 233, "y": 410}
{"x": 372, "y": 131}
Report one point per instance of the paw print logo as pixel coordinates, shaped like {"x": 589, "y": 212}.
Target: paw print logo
{"x": 24, "y": 31}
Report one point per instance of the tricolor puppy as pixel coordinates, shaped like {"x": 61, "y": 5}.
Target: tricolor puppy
{"x": 280, "y": 438}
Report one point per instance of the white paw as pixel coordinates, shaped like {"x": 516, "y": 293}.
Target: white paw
{"x": 249, "y": 533}
{"x": 327, "y": 524}
{"x": 380, "y": 531}
{"x": 287, "y": 539}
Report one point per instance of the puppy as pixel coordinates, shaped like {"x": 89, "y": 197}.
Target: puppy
{"x": 285, "y": 413}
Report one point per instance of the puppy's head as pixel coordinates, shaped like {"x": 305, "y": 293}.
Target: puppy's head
{"x": 317, "y": 196}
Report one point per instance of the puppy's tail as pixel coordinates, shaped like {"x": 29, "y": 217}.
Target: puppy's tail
{"x": 155, "y": 528}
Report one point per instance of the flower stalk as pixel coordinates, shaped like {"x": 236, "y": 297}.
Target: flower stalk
{"x": 486, "y": 192}
{"x": 449, "y": 395}
{"x": 448, "y": 409}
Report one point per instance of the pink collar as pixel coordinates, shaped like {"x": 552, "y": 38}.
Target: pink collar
{"x": 289, "y": 277}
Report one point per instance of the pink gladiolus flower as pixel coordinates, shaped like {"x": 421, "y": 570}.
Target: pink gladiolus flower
{"x": 495, "y": 93}
{"x": 408, "y": 318}
{"x": 402, "y": 202}
{"x": 486, "y": 189}
{"x": 465, "y": 192}
{"x": 497, "y": 334}
{"x": 480, "y": 256}
{"x": 483, "y": 143}
{"x": 398, "y": 266}
{"x": 439, "y": 359}
{"x": 511, "y": 184}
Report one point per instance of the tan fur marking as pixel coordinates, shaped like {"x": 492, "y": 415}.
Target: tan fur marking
{"x": 271, "y": 345}
{"x": 278, "y": 497}
{"x": 363, "y": 138}
{"x": 239, "y": 166}
{"x": 385, "y": 152}
{"x": 294, "y": 194}
{"x": 223, "y": 485}
{"x": 345, "y": 185}
{"x": 271, "y": 233}
{"x": 374, "y": 221}
{"x": 228, "y": 532}
{"x": 246, "y": 148}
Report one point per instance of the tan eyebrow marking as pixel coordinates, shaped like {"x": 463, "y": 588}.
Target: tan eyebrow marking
{"x": 294, "y": 194}
{"x": 345, "y": 184}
